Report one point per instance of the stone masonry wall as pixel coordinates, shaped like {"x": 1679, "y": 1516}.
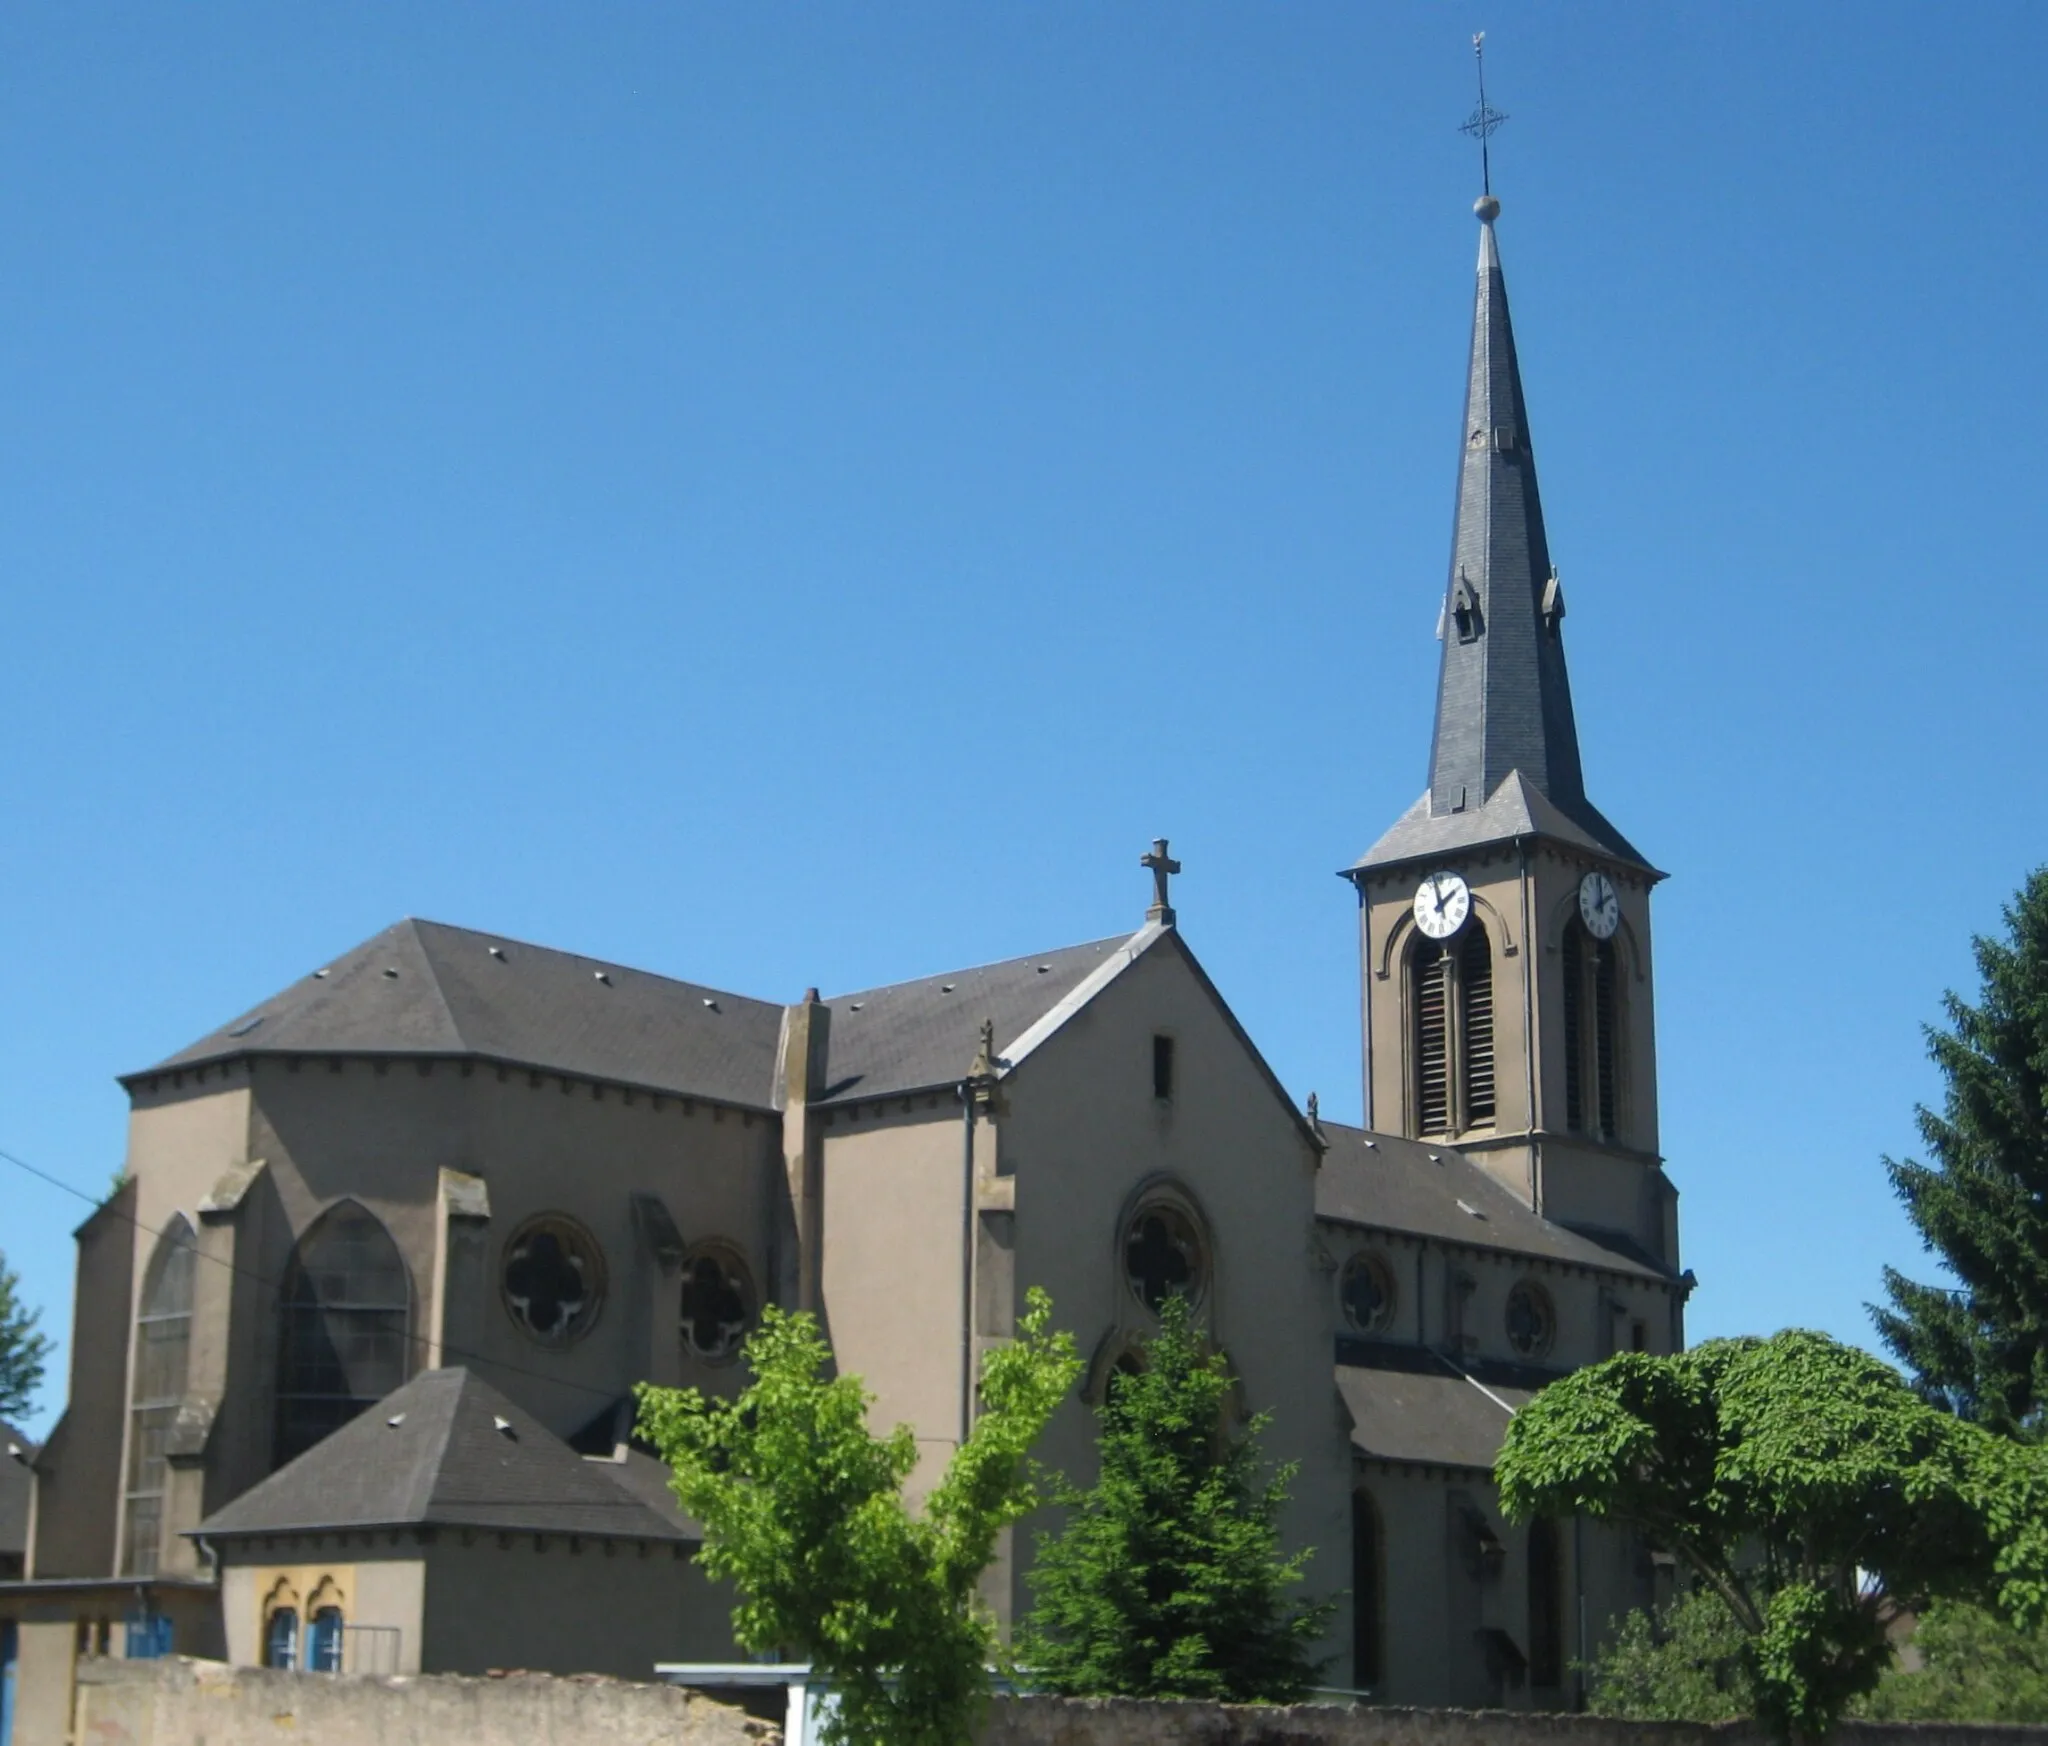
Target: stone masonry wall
{"x": 1031, "y": 1721}
{"x": 178, "y": 1702}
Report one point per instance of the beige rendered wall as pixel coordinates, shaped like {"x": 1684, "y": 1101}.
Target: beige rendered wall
{"x": 1084, "y": 1141}
{"x": 78, "y": 1468}
{"x": 381, "y": 1593}
{"x": 42, "y": 1683}
{"x": 892, "y": 1279}
{"x": 557, "y": 1604}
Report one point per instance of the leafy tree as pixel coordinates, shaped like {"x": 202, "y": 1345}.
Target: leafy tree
{"x": 1805, "y": 1484}
{"x": 22, "y": 1348}
{"x": 1168, "y": 1580}
{"x": 803, "y": 1511}
{"x": 1982, "y": 1205}
{"x": 1683, "y": 1663}
{"x": 1975, "y": 1667}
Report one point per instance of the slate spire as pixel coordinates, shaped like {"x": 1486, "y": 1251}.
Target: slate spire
{"x": 1503, "y": 700}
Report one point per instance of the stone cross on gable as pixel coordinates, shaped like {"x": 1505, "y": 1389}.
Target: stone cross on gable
{"x": 1163, "y": 867}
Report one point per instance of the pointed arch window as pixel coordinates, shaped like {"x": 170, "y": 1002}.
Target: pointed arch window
{"x": 1450, "y": 1005}
{"x": 1368, "y": 1593}
{"x": 345, "y": 1313}
{"x": 1592, "y": 1034}
{"x": 1546, "y": 1606}
{"x": 163, "y": 1346}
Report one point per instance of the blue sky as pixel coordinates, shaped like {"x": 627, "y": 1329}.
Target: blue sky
{"x": 786, "y": 495}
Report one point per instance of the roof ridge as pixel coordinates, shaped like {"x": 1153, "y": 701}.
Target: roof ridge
{"x": 990, "y": 964}
{"x": 417, "y": 922}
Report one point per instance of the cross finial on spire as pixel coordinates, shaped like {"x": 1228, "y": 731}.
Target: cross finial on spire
{"x": 1482, "y": 124}
{"x": 1163, "y": 867}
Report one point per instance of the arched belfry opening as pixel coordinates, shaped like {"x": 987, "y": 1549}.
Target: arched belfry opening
{"x": 1593, "y": 1046}
{"x": 1449, "y": 990}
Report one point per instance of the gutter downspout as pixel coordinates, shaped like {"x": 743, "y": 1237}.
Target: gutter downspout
{"x": 978, "y": 1086}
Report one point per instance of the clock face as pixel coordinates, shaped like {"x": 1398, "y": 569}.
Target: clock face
{"x": 1599, "y": 907}
{"x": 1442, "y": 902}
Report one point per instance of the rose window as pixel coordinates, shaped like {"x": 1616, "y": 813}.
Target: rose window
{"x": 1532, "y": 1323}
{"x": 1367, "y": 1289}
{"x": 1163, "y": 1256}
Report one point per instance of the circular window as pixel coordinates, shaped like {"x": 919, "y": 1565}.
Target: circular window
{"x": 717, "y": 1304}
{"x": 1532, "y": 1323}
{"x": 554, "y": 1279}
{"x": 1367, "y": 1289}
{"x": 1164, "y": 1255}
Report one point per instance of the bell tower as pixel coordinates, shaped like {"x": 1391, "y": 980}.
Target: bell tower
{"x": 1504, "y": 922}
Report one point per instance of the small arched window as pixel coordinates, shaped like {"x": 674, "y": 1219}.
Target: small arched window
{"x": 281, "y": 1638}
{"x": 1592, "y": 1034}
{"x": 346, "y": 1306}
{"x": 324, "y": 1641}
{"x": 163, "y": 1345}
{"x": 1368, "y": 1590}
{"x": 1450, "y": 1005}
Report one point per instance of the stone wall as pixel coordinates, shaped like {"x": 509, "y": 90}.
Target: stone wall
{"x": 176, "y": 1702}
{"x": 1027, "y": 1721}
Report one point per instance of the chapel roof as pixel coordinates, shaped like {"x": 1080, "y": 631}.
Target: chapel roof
{"x": 1433, "y": 1417}
{"x": 16, "y": 1453}
{"x": 447, "y": 1449}
{"x": 425, "y": 988}
{"x": 1428, "y": 1189}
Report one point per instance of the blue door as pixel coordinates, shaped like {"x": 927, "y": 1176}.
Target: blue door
{"x": 7, "y": 1657}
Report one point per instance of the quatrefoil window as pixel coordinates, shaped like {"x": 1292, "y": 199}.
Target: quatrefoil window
{"x": 1532, "y": 1322}
{"x": 717, "y": 1303}
{"x": 554, "y": 1279}
{"x": 1367, "y": 1289}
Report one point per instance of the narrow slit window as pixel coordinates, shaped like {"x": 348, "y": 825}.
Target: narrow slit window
{"x": 1162, "y": 1067}
{"x": 1574, "y": 1041}
{"x": 1604, "y": 1039}
{"x": 1432, "y": 1043}
{"x": 1475, "y": 1026}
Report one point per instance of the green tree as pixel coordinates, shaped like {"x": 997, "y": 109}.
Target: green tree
{"x": 22, "y": 1348}
{"x": 1683, "y": 1663}
{"x": 1168, "y": 1580}
{"x": 1982, "y": 1204}
{"x": 1805, "y": 1484}
{"x": 1975, "y": 1667}
{"x": 804, "y": 1513}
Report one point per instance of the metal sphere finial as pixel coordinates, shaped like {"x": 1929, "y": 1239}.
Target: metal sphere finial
{"x": 1487, "y": 207}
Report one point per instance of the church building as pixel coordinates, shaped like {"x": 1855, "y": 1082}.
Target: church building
{"x": 355, "y": 1338}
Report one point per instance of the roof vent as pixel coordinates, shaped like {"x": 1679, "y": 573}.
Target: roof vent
{"x": 497, "y": 951}
{"x": 1473, "y": 1211}
{"x": 602, "y": 975}
{"x": 319, "y": 974}
{"x": 15, "y": 1452}
{"x": 1372, "y": 1145}
{"x": 709, "y": 1002}
{"x": 246, "y": 1026}
{"x": 1045, "y": 969}
{"x": 395, "y": 1420}
{"x": 945, "y": 988}
{"x": 391, "y": 971}
{"x": 856, "y": 1006}
{"x": 1434, "y": 1159}
{"x": 504, "y": 1425}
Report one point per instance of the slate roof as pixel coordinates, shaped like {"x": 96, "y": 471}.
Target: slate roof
{"x": 1517, "y": 808}
{"x": 910, "y": 1036}
{"x": 16, "y": 1452}
{"x": 459, "y": 992}
{"x": 1438, "y": 1418}
{"x": 1432, "y": 1190}
{"x": 1504, "y": 699}
{"x": 446, "y": 1463}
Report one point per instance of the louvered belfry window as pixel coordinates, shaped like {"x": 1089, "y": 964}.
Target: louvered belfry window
{"x": 1432, "y": 1040}
{"x": 1475, "y": 1025}
{"x": 1574, "y": 1032}
{"x": 1592, "y": 1034}
{"x": 1451, "y": 1046}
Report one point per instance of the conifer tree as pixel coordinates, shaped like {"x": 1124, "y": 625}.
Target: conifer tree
{"x": 22, "y": 1347}
{"x": 1981, "y": 1204}
{"x": 1169, "y": 1580}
